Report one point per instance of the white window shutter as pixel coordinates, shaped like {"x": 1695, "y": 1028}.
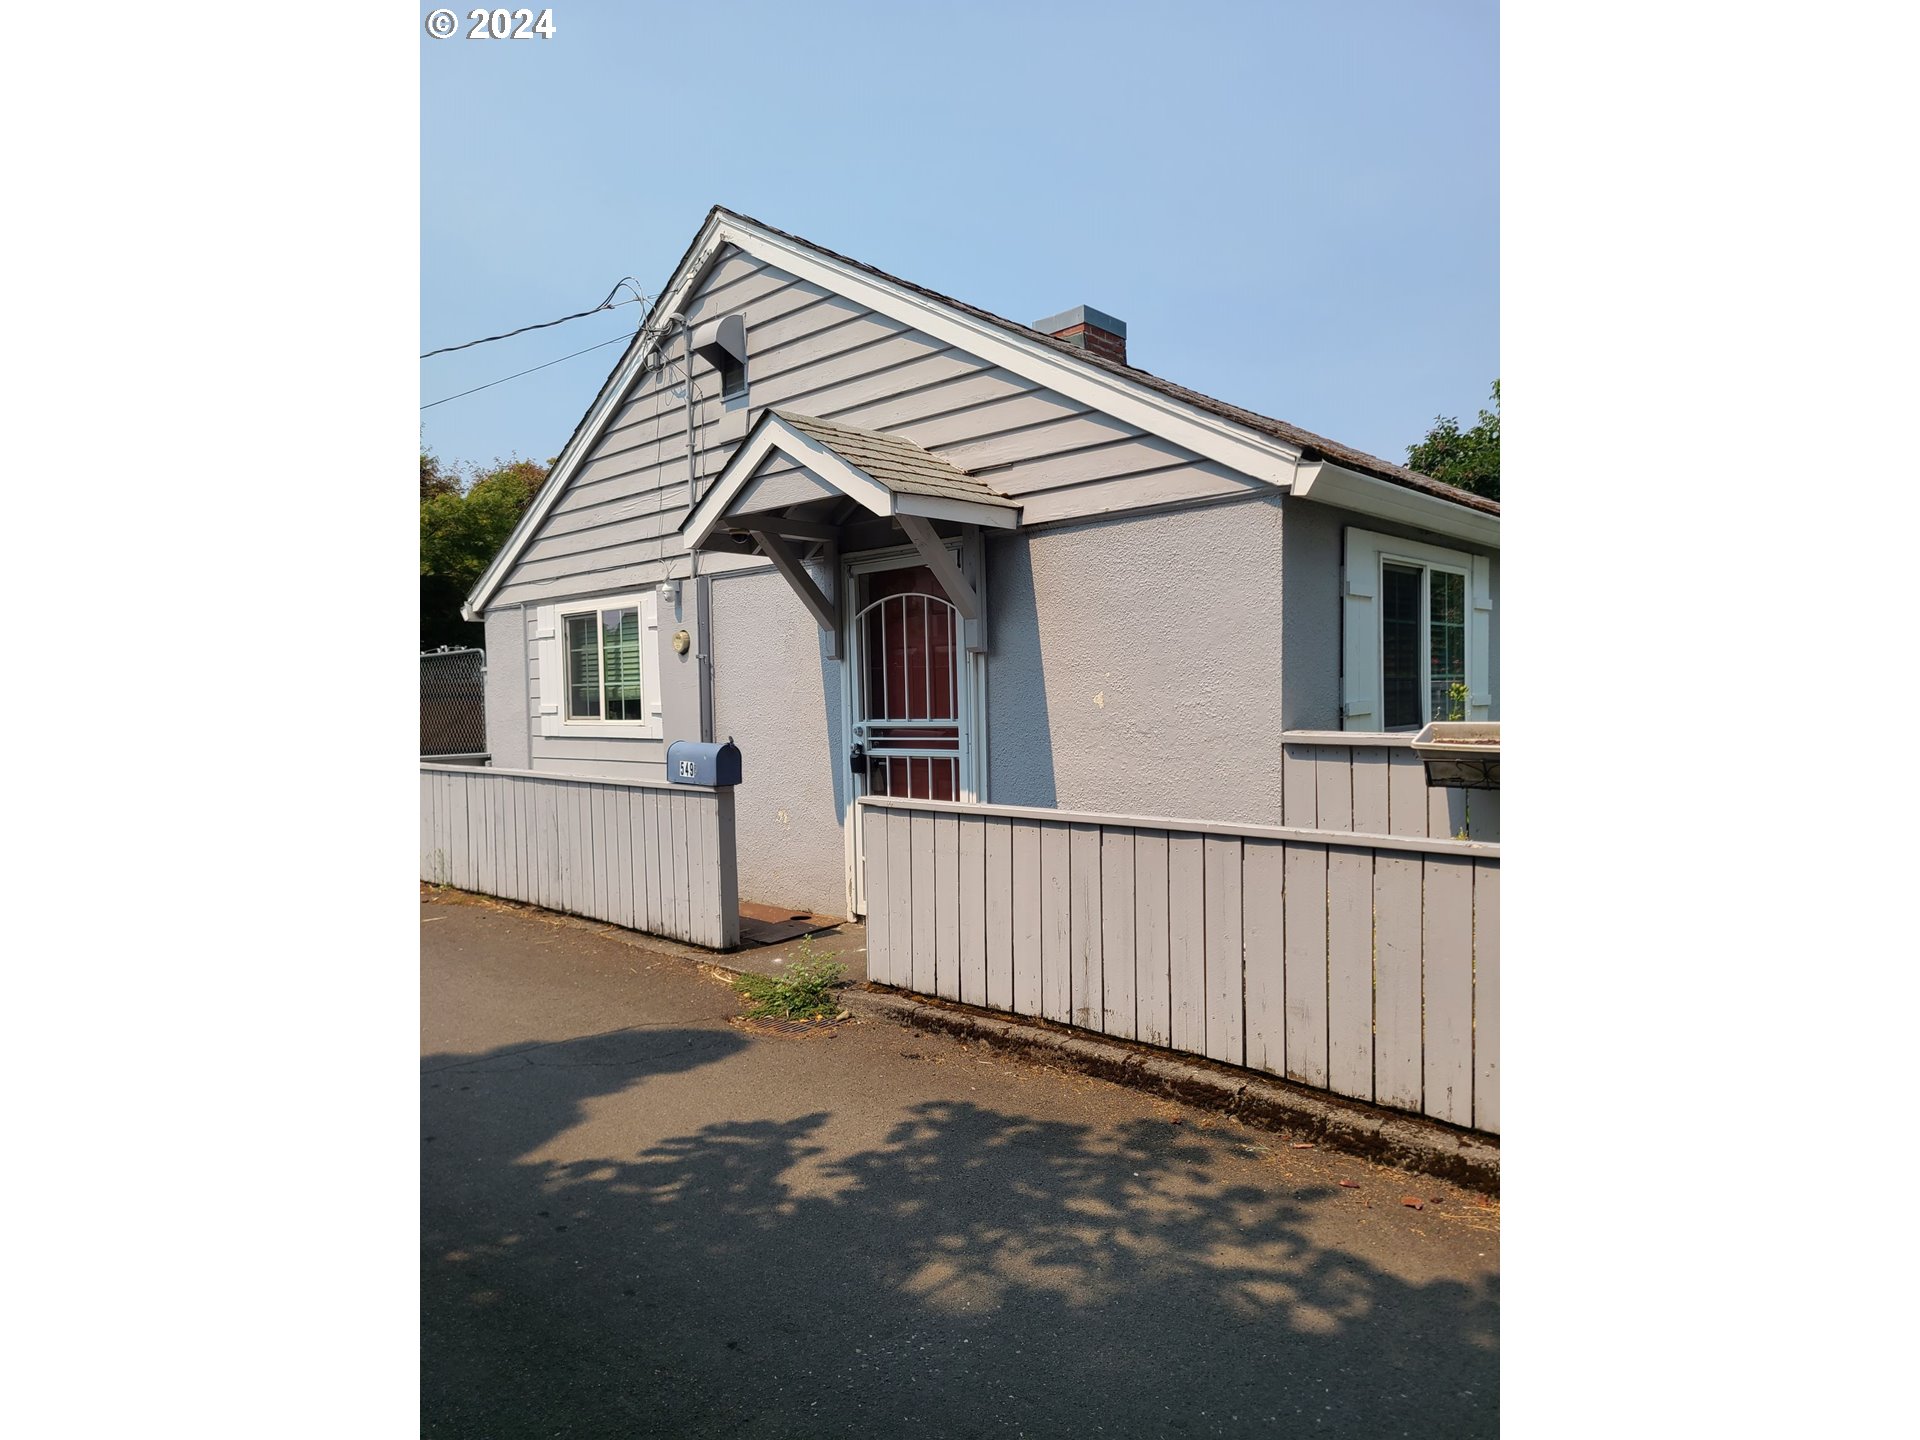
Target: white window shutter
{"x": 1480, "y": 642}
{"x": 1360, "y": 630}
{"x": 650, "y": 662}
{"x": 549, "y": 680}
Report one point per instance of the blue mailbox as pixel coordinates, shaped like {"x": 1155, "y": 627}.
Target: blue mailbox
{"x": 694, "y": 762}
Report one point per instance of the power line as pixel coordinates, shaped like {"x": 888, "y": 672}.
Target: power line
{"x": 606, "y": 304}
{"x": 617, "y": 340}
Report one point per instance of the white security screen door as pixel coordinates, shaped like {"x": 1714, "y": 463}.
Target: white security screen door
{"x": 908, "y": 693}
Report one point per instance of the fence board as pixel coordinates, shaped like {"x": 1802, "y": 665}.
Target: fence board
{"x": 542, "y": 804}
{"x": 1486, "y": 995}
{"x": 597, "y": 826}
{"x": 873, "y": 832}
{"x": 900, "y": 886}
{"x": 1350, "y": 971}
{"x": 1028, "y": 988}
{"x": 1263, "y": 902}
{"x": 1397, "y": 1062}
{"x": 1483, "y": 816}
{"x": 1187, "y": 940}
{"x": 1298, "y": 780}
{"x": 1447, "y": 812}
{"x": 924, "y": 912}
{"x": 646, "y": 882}
{"x": 698, "y": 901}
{"x": 682, "y": 870}
{"x": 1153, "y": 994}
{"x": 660, "y": 805}
{"x": 1002, "y": 987}
{"x": 1370, "y": 789}
{"x": 509, "y": 789}
{"x": 1226, "y": 1037}
{"x": 973, "y": 910}
{"x": 1085, "y": 990}
{"x": 1119, "y": 1015}
{"x": 946, "y": 918}
{"x": 1056, "y": 991}
{"x": 1307, "y": 964}
{"x": 1447, "y": 945}
{"x": 1333, "y": 787}
{"x": 427, "y": 845}
{"x": 1406, "y": 794}
{"x": 457, "y": 813}
{"x": 568, "y": 835}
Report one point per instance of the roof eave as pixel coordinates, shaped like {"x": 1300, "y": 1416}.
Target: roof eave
{"x": 1333, "y": 484}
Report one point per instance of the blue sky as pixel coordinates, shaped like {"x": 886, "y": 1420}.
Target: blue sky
{"x": 1294, "y": 207}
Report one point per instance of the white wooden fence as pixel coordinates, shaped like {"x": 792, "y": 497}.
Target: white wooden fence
{"x": 1364, "y": 964}
{"x": 643, "y": 854}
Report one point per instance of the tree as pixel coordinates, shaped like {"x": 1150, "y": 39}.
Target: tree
{"x": 463, "y": 524}
{"x": 1467, "y": 458}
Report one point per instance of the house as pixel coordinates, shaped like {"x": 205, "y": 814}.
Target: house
{"x": 892, "y": 544}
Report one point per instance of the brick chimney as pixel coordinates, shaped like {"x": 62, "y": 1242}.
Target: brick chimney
{"x": 1090, "y": 329}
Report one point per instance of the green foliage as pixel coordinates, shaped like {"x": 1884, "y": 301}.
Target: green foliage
{"x": 1457, "y": 701}
{"x": 434, "y": 480}
{"x": 1467, "y": 458}
{"x": 463, "y": 524}
{"x": 805, "y": 992}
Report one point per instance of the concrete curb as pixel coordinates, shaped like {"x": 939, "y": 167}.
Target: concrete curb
{"x": 1407, "y": 1141}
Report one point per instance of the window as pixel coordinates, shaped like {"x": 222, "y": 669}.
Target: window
{"x": 733, "y": 377}
{"x": 1417, "y": 634}
{"x": 597, "y": 667}
{"x": 1423, "y": 644}
{"x": 603, "y": 665}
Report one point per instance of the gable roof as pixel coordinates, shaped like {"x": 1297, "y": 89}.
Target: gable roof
{"x": 1256, "y": 444}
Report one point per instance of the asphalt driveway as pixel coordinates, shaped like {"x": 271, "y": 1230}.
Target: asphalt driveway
{"x": 641, "y": 1219}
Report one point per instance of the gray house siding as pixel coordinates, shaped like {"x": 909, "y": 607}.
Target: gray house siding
{"x": 1126, "y": 677}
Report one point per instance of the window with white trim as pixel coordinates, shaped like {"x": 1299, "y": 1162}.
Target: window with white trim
{"x": 603, "y": 664}
{"x": 598, "y": 662}
{"x": 1417, "y": 642}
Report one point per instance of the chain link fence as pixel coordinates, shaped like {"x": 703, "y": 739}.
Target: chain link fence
{"x": 453, "y": 702}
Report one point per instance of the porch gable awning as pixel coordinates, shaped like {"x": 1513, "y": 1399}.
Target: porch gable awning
{"x": 886, "y": 475}
{"x": 839, "y": 477}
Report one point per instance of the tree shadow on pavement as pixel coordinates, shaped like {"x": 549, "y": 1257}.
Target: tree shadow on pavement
{"x": 979, "y": 1272}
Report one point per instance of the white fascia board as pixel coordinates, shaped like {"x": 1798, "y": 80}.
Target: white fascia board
{"x": 963, "y": 512}
{"x": 1332, "y": 484}
{"x": 774, "y": 435}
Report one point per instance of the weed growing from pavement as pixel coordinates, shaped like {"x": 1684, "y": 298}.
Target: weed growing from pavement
{"x": 805, "y": 992}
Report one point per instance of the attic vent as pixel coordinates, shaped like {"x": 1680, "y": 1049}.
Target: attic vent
{"x": 722, "y": 344}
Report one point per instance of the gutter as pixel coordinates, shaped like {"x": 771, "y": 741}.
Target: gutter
{"x": 1333, "y": 484}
